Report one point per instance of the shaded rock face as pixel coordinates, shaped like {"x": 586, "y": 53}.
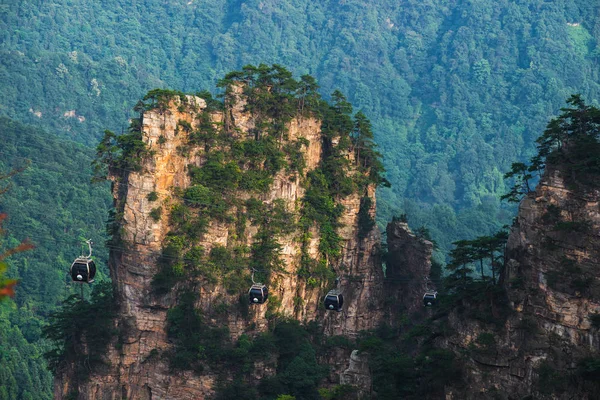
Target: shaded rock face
{"x": 555, "y": 251}
{"x": 137, "y": 369}
{"x": 552, "y": 280}
{"x": 407, "y": 270}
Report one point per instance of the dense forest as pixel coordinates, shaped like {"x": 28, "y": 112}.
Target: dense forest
{"x": 52, "y": 203}
{"x": 456, "y": 90}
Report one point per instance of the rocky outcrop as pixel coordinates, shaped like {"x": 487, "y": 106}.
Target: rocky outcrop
{"x": 408, "y": 268}
{"x": 137, "y": 370}
{"x": 555, "y": 251}
{"x": 358, "y": 373}
{"x": 552, "y": 282}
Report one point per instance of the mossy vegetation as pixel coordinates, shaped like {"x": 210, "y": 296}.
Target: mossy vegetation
{"x": 366, "y": 222}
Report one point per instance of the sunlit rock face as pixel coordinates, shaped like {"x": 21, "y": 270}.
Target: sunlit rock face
{"x": 136, "y": 370}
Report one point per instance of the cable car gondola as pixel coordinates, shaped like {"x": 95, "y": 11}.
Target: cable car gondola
{"x": 333, "y": 301}
{"x": 258, "y": 293}
{"x": 429, "y": 298}
{"x": 83, "y": 268}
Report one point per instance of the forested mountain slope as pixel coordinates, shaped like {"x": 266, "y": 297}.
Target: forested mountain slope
{"x": 455, "y": 89}
{"x": 53, "y": 203}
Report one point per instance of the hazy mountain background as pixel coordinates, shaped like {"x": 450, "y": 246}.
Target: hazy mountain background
{"x": 456, "y": 90}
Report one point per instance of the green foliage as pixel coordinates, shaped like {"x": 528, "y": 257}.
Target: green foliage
{"x": 522, "y": 186}
{"x": 451, "y": 107}
{"x": 159, "y": 99}
{"x": 571, "y": 143}
{"x": 171, "y": 265}
{"x": 398, "y": 371}
{"x": 233, "y": 166}
{"x": 52, "y": 203}
{"x": 24, "y": 373}
{"x": 595, "y": 320}
{"x": 478, "y": 300}
{"x": 156, "y": 213}
{"x": 196, "y": 343}
{"x": 485, "y": 343}
{"x": 486, "y": 251}
{"x": 321, "y": 207}
{"x": 446, "y": 135}
{"x": 265, "y": 253}
{"x": 120, "y": 153}
{"x": 273, "y": 94}
{"x": 338, "y": 392}
{"x": 81, "y": 331}
{"x": 569, "y": 276}
{"x": 293, "y": 151}
{"x": 366, "y": 222}
{"x": 212, "y": 104}
{"x": 551, "y": 381}
{"x": 424, "y": 233}
{"x": 368, "y": 159}
{"x": 285, "y": 397}
{"x": 211, "y": 203}
{"x": 589, "y": 369}
{"x": 189, "y": 224}
{"x": 217, "y": 174}
{"x": 298, "y": 372}
{"x": 152, "y": 196}
{"x": 573, "y": 226}
{"x": 237, "y": 389}
{"x": 185, "y": 125}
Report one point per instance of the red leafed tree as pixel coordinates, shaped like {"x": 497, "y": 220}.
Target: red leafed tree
{"x": 7, "y": 286}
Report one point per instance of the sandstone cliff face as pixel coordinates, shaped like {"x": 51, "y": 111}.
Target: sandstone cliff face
{"x": 552, "y": 279}
{"x": 136, "y": 371}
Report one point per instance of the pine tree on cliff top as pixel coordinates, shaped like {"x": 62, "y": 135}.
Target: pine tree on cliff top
{"x": 569, "y": 141}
